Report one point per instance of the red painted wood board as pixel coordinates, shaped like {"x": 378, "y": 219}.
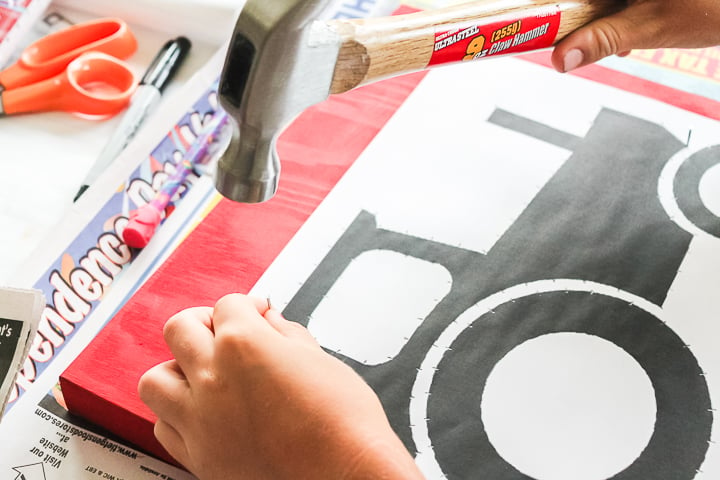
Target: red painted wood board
{"x": 228, "y": 252}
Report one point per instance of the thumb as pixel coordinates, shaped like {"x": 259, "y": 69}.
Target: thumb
{"x": 637, "y": 26}
{"x": 288, "y": 328}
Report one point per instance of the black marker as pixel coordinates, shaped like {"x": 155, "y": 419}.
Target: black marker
{"x": 144, "y": 101}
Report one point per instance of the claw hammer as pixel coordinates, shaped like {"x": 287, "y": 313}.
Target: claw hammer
{"x": 282, "y": 60}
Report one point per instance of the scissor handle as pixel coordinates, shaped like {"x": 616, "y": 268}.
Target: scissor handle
{"x": 93, "y": 84}
{"x": 49, "y": 55}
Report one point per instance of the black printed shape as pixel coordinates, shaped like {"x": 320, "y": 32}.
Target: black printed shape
{"x": 683, "y": 427}
{"x": 686, "y": 189}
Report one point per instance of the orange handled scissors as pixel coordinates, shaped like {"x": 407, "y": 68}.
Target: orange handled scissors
{"x": 76, "y": 69}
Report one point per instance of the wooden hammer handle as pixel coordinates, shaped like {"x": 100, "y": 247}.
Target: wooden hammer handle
{"x": 376, "y": 48}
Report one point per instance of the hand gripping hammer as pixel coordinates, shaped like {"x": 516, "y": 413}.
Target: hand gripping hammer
{"x": 282, "y": 60}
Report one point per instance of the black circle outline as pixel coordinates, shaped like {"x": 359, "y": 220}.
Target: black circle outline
{"x": 683, "y": 426}
{"x": 686, "y": 188}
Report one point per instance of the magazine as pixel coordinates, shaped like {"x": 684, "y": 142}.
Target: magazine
{"x": 19, "y": 317}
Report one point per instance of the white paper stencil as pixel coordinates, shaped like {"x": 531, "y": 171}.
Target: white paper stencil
{"x": 577, "y": 233}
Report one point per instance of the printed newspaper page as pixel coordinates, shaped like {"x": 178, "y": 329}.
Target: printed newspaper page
{"x": 19, "y": 316}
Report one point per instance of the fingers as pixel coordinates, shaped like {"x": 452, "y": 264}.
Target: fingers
{"x": 245, "y": 326}
{"x": 638, "y": 26}
{"x": 238, "y": 314}
{"x": 288, "y": 328}
{"x": 164, "y": 389}
{"x": 190, "y": 338}
{"x": 172, "y": 441}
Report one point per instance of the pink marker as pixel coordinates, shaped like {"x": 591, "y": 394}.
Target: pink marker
{"x": 145, "y": 220}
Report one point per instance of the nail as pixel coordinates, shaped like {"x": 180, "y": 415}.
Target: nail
{"x": 573, "y": 59}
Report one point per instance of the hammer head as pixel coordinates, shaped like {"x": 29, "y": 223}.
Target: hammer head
{"x": 280, "y": 61}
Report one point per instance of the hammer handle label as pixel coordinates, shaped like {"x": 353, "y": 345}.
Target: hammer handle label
{"x": 499, "y": 37}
